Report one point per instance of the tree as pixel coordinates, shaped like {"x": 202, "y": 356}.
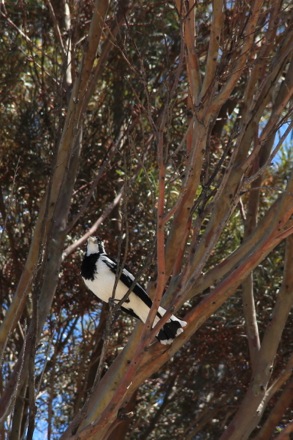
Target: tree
{"x": 159, "y": 125}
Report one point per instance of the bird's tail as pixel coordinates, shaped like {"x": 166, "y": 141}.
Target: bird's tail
{"x": 171, "y": 329}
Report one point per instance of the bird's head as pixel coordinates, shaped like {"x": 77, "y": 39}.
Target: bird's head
{"x": 95, "y": 246}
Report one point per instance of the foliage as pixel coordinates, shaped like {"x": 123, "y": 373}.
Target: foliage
{"x": 162, "y": 126}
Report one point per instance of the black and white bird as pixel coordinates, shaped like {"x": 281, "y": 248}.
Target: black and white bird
{"x": 99, "y": 271}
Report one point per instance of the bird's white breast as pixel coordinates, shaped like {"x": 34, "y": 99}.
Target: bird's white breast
{"x": 103, "y": 284}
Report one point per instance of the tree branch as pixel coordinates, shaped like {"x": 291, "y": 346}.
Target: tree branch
{"x": 253, "y": 404}
{"x": 214, "y": 44}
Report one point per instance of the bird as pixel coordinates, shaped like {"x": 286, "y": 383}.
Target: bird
{"x": 99, "y": 272}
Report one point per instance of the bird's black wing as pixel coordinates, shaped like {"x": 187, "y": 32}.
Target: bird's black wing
{"x": 127, "y": 278}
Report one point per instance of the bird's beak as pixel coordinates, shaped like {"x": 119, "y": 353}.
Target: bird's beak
{"x": 92, "y": 240}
